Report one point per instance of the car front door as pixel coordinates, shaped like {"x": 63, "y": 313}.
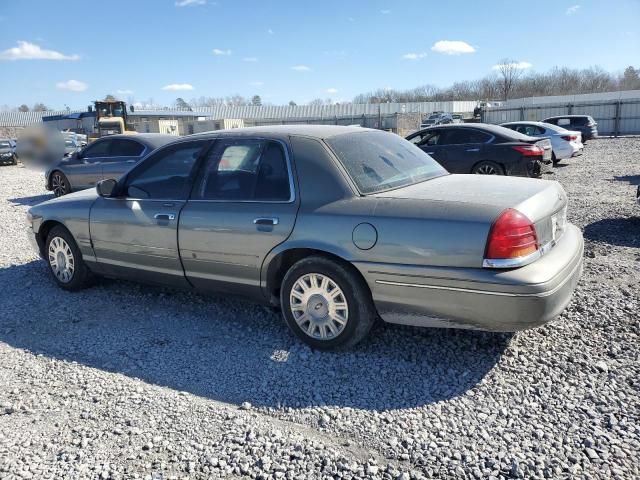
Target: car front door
{"x": 135, "y": 234}
{"x": 85, "y": 169}
{"x": 124, "y": 154}
{"x": 430, "y": 144}
{"x": 242, "y": 206}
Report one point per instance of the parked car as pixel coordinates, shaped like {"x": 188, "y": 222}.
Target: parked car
{"x": 437, "y": 118}
{"x": 457, "y": 118}
{"x": 584, "y": 124}
{"x": 70, "y": 147}
{"x": 336, "y": 225}
{"x": 484, "y": 149}
{"x": 7, "y": 152}
{"x": 565, "y": 143}
{"x": 108, "y": 157}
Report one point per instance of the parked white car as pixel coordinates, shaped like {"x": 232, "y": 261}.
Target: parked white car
{"x": 565, "y": 143}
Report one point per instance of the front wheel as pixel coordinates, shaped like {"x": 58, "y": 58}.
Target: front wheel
{"x": 487, "y": 168}
{"x": 65, "y": 260}
{"x": 326, "y": 303}
{"x": 59, "y": 184}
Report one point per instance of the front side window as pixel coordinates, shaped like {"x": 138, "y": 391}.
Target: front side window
{"x": 463, "y": 136}
{"x": 378, "y": 161}
{"x": 245, "y": 170}
{"x": 167, "y": 174}
{"x": 98, "y": 149}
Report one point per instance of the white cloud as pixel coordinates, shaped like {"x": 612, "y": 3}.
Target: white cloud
{"x": 414, "y": 56}
{"x": 332, "y": 90}
{"x": 572, "y": 9}
{"x": 249, "y": 59}
{"x": 31, "y": 51}
{"x": 385, "y": 12}
{"x": 517, "y": 65}
{"x": 124, "y": 92}
{"x": 256, "y": 84}
{"x": 189, "y": 3}
{"x": 72, "y": 86}
{"x": 300, "y": 68}
{"x": 175, "y": 87}
{"x": 217, "y": 51}
{"x": 452, "y": 47}
{"x": 270, "y": 32}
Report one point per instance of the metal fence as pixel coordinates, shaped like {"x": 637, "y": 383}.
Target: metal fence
{"x": 614, "y": 117}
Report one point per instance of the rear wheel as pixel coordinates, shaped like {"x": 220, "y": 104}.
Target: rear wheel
{"x": 554, "y": 159}
{"x": 65, "y": 260}
{"x": 59, "y": 184}
{"x": 487, "y": 168}
{"x": 326, "y": 304}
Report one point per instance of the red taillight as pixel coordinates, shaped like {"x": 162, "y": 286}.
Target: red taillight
{"x": 529, "y": 150}
{"x": 512, "y": 235}
{"x": 569, "y": 138}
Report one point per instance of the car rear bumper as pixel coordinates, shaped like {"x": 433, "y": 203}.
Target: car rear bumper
{"x": 476, "y": 298}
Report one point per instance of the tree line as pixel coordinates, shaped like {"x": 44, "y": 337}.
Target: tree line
{"x": 508, "y": 80}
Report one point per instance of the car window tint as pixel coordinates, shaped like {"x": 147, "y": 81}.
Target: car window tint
{"x": 563, "y": 122}
{"x": 463, "y": 136}
{"x": 245, "y": 169}
{"x": 126, "y": 148}
{"x": 416, "y": 140}
{"x": 167, "y": 174}
{"x": 580, "y": 121}
{"x": 431, "y": 139}
{"x": 97, "y": 149}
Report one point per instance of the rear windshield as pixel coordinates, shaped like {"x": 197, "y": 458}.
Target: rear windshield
{"x": 379, "y": 161}
{"x": 5, "y": 145}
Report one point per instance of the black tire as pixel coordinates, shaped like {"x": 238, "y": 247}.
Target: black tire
{"x": 80, "y": 275}
{"x": 554, "y": 159}
{"x": 361, "y": 313}
{"x": 485, "y": 166}
{"x": 59, "y": 184}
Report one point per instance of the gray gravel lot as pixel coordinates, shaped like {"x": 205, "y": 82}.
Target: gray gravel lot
{"x": 129, "y": 381}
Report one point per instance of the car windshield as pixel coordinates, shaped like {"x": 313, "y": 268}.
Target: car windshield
{"x": 5, "y": 145}
{"x": 378, "y": 161}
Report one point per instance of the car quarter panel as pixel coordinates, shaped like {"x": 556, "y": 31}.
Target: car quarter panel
{"x": 72, "y": 211}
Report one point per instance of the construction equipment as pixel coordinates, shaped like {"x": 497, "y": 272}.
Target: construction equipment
{"x": 111, "y": 118}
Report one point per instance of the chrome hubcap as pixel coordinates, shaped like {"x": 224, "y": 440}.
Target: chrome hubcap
{"x": 61, "y": 259}
{"x": 319, "y": 306}
{"x": 486, "y": 170}
{"x": 58, "y": 185}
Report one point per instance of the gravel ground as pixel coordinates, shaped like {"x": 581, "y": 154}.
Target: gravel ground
{"x": 129, "y": 381}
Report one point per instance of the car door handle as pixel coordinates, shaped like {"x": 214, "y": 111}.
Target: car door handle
{"x": 165, "y": 216}
{"x": 266, "y": 221}
{"x": 472, "y": 150}
{"x": 429, "y": 153}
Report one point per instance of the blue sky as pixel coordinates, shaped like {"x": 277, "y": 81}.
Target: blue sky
{"x": 72, "y": 52}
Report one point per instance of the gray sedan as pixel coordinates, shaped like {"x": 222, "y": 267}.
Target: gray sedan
{"x": 338, "y": 226}
{"x": 108, "y": 157}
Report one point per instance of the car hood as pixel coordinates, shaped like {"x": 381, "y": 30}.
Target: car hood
{"x": 88, "y": 194}
{"x": 533, "y": 197}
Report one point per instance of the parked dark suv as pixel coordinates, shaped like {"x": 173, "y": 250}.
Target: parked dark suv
{"x": 585, "y": 124}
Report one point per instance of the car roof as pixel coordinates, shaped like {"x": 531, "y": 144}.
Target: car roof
{"x": 523, "y": 122}
{"x": 495, "y": 130}
{"x": 315, "y": 131}
{"x": 153, "y": 140}
{"x": 570, "y": 116}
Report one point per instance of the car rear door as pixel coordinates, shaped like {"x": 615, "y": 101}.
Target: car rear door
{"x": 124, "y": 154}
{"x": 136, "y": 233}
{"x": 242, "y": 206}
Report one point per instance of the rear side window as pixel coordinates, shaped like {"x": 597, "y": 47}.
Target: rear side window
{"x": 563, "y": 122}
{"x": 580, "y": 121}
{"x": 245, "y": 170}
{"x": 463, "y": 136}
{"x": 126, "y": 148}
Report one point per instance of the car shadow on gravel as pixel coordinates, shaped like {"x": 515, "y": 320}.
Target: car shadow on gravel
{"x": 233, "y": 351}
{"x": 623, "y": 232}
{"x": 32, "y": 200}
{"x": 630, "y": 179}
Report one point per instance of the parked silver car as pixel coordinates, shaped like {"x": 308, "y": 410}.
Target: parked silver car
{"x": 565, "y": 143}
{"x": 108, "y": 157}
{"x": 335, "y": 225}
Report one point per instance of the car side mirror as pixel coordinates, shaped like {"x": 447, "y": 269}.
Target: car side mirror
{"x": 106, "y": 188}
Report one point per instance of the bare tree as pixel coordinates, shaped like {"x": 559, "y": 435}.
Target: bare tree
{"x": 110, "y": 98}
{"x": 40, "y": 107}
{"x": 23, "y": 108}
{"x": 256, "y": 101}
{"x": 509, "y": 71}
